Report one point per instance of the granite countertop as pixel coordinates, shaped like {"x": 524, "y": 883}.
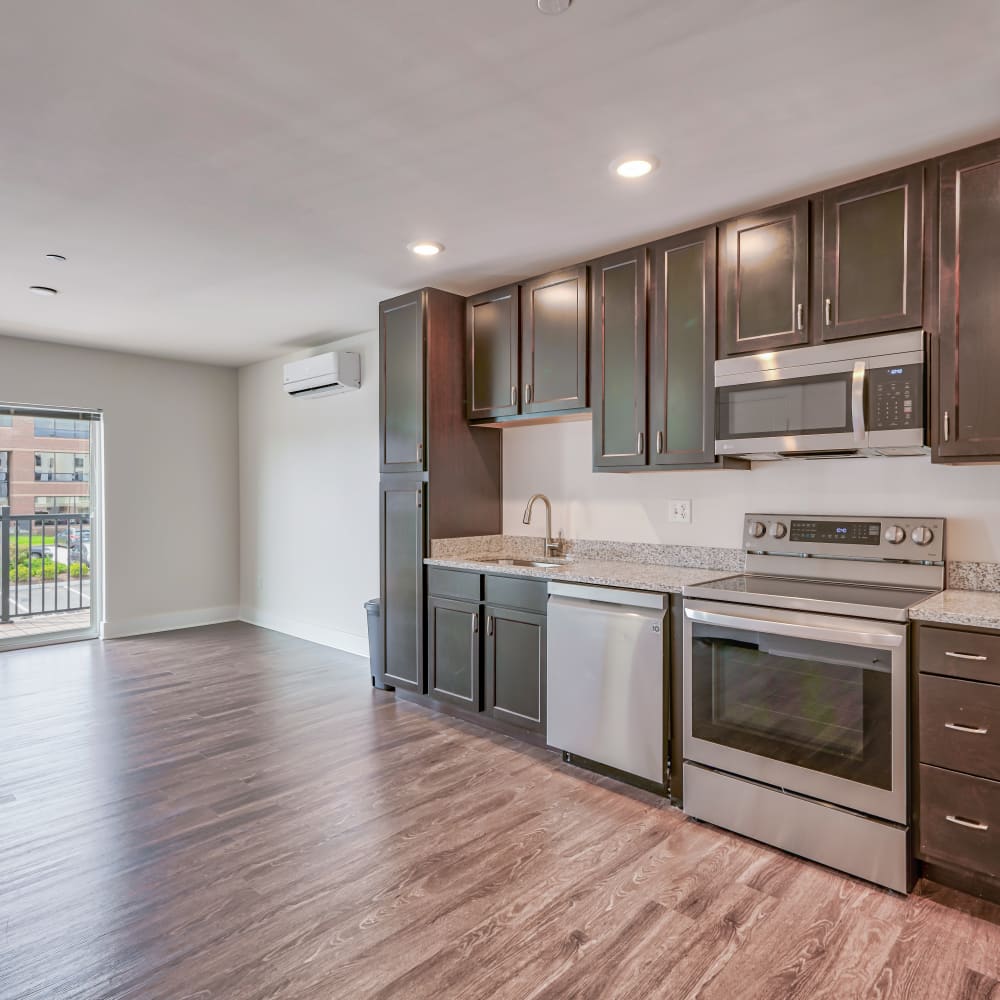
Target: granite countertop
{"x": 607, "y": 573}
{"x": 979, "y": 608}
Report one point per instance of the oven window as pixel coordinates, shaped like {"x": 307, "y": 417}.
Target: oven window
{"x": 822, "y": 706}
{"x": 786, "y": 408}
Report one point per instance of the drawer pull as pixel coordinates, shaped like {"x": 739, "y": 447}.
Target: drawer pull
{"x": 960, "y": 728}
{"x": 979, "y": 658}
{"x": 970, "y": 823}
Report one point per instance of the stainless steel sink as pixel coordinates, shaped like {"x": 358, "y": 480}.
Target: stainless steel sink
{"x": 537, "y": 563}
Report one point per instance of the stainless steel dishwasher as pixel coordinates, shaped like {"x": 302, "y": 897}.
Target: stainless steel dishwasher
{"x": 606, "y": 688}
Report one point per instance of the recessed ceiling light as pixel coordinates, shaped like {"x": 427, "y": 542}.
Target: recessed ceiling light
{"x": 54, "y": 256}
{"x": 425, "y": 248}
{"x": 554, "y": 6}
{"x": 634, "y": 166}
{"x": 43, "y": 290}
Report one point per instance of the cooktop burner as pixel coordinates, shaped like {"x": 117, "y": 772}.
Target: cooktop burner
{"x": 804, "y": 594}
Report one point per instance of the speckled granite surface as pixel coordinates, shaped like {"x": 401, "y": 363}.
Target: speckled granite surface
{"x": 960, "y": 607}
{"x": 607, "y": 573}
{"x": 530, "y": 547}
{"x": 974, "y": 576}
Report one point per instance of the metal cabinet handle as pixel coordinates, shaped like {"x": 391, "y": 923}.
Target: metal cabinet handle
{"x": 640, "y": 444}
{"x": 829, "y": 312}
{"x": 800, "y": 317}
{"x": 527, "y": 393}
{"x": 513, "y": 395}
{"x": 659, "y": 442}
{"x": 970, "y": 823}
{"x": 978, "y": 657}
{"x": 475, "y": 623}
{"x": 947, "y": 426}
{"x": 961, "y": 728}
{"x": 489, "y": 624}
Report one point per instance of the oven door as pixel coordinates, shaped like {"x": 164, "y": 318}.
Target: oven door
{"x": 813, "y": 704}
{"x": 788, "y": 411}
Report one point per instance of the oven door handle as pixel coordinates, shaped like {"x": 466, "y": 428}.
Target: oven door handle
{"x": 840, "y": 632}
{"x": 858, "y": 402}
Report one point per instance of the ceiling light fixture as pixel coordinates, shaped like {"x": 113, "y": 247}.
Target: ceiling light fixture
{"x": 425, "y": 248}
{"x": 54, "y": 256}
{"x": 634, "y": 166}
{"x": 43, "y": 290}
{"x": 554, "y": 6}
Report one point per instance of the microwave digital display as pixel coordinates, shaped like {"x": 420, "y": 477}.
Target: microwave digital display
{"x": 844, "y": 532}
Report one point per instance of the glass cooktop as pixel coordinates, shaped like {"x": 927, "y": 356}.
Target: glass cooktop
{"x": 833, "y": 597}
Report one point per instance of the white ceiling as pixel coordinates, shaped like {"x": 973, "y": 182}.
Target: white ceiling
{"x": 235, "y": 178}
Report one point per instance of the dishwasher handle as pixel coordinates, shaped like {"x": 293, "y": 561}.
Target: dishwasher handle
{"x": 610, "y": 595}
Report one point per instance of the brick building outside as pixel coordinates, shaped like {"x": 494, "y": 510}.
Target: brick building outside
{"x": 44, "y": 465}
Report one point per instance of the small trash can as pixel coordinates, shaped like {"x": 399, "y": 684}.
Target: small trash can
{"x": 373, "y": 609}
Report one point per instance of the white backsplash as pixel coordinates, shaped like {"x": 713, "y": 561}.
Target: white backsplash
{"x": 555, "y": 459}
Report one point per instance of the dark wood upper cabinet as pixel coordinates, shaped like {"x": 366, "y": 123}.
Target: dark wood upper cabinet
{"x": 401, "y": 389}
{"x": 402, "y": 531}
{"x": 872, "y": 273}
{"x": 554, "y": 342}
{"x": 968, "y": 417}
{"x": 492, "y": 354}
{"x": 618, "y": 359}
{"x": 682, "y": 350}
{"x": 764, "y": 271}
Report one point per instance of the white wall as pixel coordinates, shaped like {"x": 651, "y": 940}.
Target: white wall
{"x": 556, "y": 459}
{"x": 309, "y": 538}
{"x": 170, "y": 453}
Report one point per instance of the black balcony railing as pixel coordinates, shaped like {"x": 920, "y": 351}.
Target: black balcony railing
{"x": 44, "y": 563}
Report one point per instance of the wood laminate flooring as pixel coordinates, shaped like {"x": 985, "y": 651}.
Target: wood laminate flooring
{"x": 230, "y": 813}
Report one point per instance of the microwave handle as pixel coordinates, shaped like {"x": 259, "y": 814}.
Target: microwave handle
{"x": 858, "y": 402}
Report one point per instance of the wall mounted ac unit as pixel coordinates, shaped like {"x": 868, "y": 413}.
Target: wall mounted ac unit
{"x": 323, "y": 374}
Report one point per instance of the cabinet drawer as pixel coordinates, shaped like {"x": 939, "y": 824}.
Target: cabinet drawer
{"x": 455, "y": 583}
{"x": 974, "y": 656}
{"x": 960, "y": 725}
{"x": 511, "y": 592}
{"x": 960, "y": 820}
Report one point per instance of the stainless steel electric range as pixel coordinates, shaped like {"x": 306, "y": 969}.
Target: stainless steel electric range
{"x": 795, "y": 687}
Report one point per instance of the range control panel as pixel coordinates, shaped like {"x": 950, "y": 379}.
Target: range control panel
{"x": 895, "y": 397}
{"x": 909, "y": 539}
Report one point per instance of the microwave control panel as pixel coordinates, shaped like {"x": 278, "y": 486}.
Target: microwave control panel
{"x": 896, "y": 398}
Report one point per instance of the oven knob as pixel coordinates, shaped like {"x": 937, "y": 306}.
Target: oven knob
{"x": 894, "y": 534}
{"x": 756, "y": 529}
{"x": 922, "y": 535}
{"x": 778, "y": 530}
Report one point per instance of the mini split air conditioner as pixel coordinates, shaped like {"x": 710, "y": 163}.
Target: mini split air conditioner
{"x": 323, "y": 374}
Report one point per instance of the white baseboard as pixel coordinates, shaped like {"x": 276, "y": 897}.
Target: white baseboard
{"x": 335, "y": 638}
{"x": 124, "y": 627}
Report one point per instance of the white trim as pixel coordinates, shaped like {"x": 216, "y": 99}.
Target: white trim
{"x": 349, "y": 642}
{"x": 173, "y": 620}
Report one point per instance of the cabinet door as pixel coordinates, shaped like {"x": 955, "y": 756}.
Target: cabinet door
{"x": 682, "y": 350}
{"x": 765, "y": 276}
{"x": 492, "y": 355}
{"x": 402, "y": 545}
{"x": 618, "y": 363}
{"x": 969, "y": 405}
{"x": 515, "y": 667}
{"x": 873, "y": 240}
{"x": 401, "y": 389}
{"x": 554, "y": 342}
{"x": 453, "y": 661}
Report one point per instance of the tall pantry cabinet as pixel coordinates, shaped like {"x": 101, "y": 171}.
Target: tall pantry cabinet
{"x": 440, "y": 478}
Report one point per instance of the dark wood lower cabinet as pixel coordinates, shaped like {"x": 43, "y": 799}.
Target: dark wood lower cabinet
{"x": 401, "y": 508}
{"x": 453, "y": 652}
{"x": 515, "y": 667}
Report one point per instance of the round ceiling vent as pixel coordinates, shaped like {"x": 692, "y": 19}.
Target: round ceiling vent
{"x": 554, "y": 6}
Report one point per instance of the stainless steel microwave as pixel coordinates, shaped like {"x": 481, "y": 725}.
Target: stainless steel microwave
{"x": 850, "y": 398}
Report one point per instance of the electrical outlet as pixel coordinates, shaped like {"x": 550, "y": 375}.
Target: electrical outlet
{"x": 680, "y": 511}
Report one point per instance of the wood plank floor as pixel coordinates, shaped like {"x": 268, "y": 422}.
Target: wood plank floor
{"x": 230, "y": 813}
